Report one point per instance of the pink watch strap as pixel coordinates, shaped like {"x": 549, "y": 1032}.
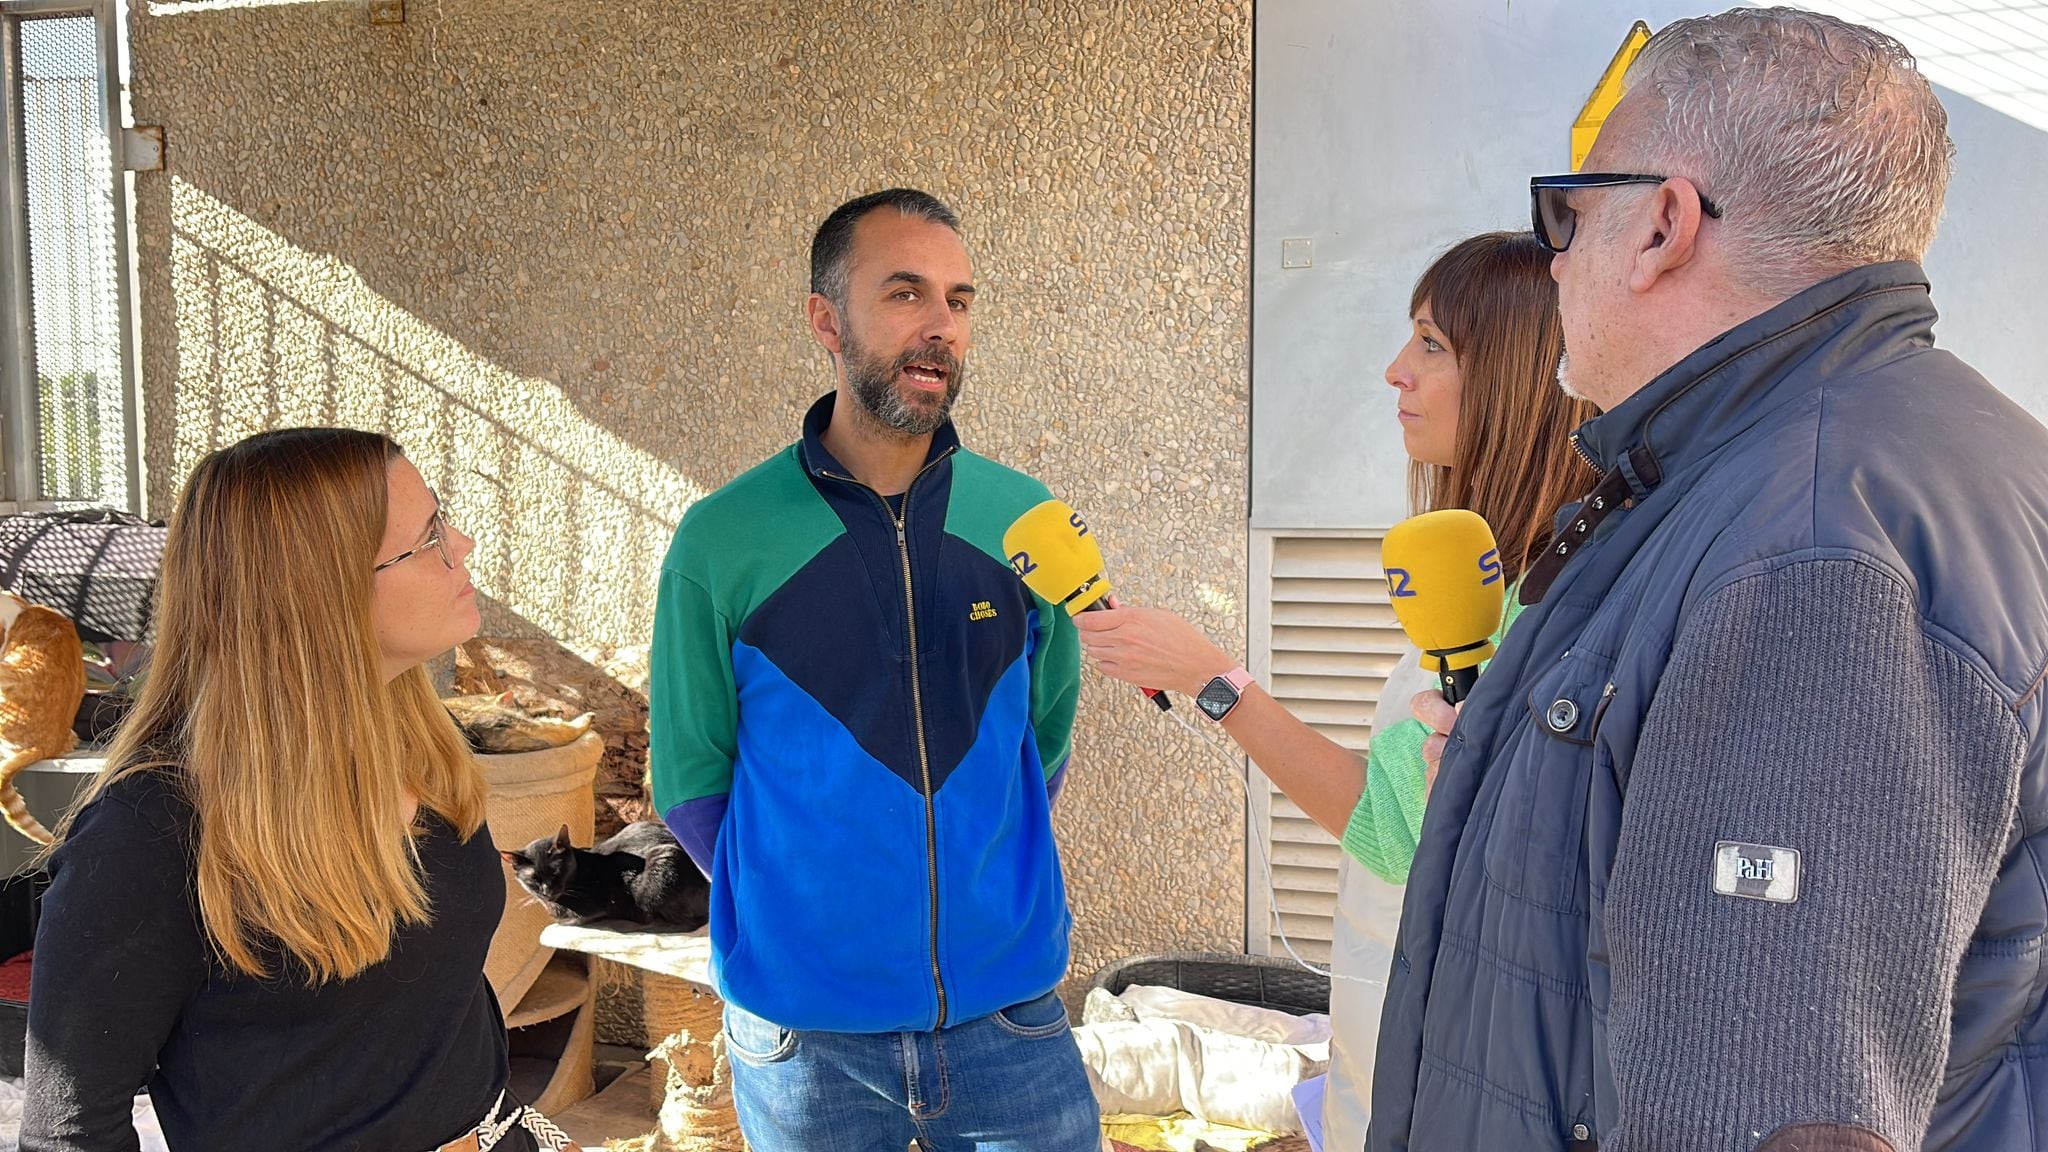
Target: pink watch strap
{"x": 1238, "y": 678}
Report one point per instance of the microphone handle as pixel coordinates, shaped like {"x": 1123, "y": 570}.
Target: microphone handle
{"x": 1457, "y": 683}
{"x": 1153, "y": 694}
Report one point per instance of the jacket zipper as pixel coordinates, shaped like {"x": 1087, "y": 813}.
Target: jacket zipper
{"x": 1585, "y": 453}
{"x": 924, "y": 766}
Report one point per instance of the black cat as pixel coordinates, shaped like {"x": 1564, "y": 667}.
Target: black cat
{"x": 640, "y": 875}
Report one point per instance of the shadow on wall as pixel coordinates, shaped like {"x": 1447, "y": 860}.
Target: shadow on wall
{"x": 558, "y": 251}
{"x": 570, "y": 522}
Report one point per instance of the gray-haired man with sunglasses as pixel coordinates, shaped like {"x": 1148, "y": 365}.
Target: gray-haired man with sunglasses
{"x": 1739, "y": 844}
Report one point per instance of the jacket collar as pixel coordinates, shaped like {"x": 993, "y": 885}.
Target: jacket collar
{"x": 819, "y": 462}
{"x": 1730, "y": 384}
{"x": 1740, "y": 376}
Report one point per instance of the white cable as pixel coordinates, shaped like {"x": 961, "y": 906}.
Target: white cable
{"x": 1265, "y": 860}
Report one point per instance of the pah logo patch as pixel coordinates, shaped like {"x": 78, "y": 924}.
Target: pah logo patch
{"x": 1756, "y": 872}
{"x": 982, "y": 610}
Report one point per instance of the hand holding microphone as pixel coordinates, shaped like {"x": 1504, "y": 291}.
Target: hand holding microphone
{"x": 1151, "y": 646}
{"x": 1444, "y": 572}
{"x": 1051, "y": 548}
{"x": 1439, "y": 716}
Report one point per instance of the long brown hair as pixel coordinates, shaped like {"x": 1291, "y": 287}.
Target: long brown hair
{"x": 266, "y": 702}
{"x": 1494, "y": 300}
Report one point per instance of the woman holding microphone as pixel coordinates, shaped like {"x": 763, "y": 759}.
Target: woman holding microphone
{"x": 1486, "y": 428}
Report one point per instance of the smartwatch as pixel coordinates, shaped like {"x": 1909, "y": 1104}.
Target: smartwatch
{"x": 1220, "y": 695}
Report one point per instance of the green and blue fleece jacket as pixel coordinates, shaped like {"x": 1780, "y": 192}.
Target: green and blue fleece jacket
{"x": 859, "y": 722}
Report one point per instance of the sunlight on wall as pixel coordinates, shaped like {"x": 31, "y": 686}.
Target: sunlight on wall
{"x": 181, "y": 7}
{"x": 1993, "y": 51}
{"x": 499, "y": 228}
{"x": 1216, "y": 598}
{"x": 570, "y": 521}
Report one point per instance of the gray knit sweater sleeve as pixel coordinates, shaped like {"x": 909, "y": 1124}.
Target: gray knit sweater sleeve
{"x": 1805, "y": 708}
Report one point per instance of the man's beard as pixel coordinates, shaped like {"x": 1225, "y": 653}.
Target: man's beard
{"x": 1564, "y": 376}
{"x": 875, "y": 385}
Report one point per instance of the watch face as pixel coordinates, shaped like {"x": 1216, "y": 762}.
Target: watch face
{"x": 1217, "y": 698}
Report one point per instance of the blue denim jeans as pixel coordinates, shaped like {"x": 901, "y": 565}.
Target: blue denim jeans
{"x": 1009, "y": 1082}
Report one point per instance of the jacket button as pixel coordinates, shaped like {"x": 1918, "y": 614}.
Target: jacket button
{"x": 1581, "y": 1132}
{"x": 1562, "y": 717}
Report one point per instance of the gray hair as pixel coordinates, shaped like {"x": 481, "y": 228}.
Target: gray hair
{"x": 1819, "y": 139}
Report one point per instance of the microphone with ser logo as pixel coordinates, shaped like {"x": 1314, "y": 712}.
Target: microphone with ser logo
{"x": 1051, "y": 549}
{"x": 1443, "y": 570}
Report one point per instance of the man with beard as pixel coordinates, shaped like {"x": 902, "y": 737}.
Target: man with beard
{"x": 860, "y": 718}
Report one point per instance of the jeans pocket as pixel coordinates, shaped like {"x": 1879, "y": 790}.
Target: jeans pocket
{"x": 754, "y": 1040}
{"x": 1034, "y": 1019}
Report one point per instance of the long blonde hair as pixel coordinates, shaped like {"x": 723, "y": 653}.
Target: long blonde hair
{"x": 266, "y": 702}
{"x": 1492, "y": 297}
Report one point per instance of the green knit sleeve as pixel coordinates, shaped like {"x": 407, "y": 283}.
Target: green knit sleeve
{"x": 1387, "y": 824}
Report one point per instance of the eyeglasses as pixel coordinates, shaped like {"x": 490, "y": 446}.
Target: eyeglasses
{"x": 437, "y": 539}
{"x": 1555, "y": 221}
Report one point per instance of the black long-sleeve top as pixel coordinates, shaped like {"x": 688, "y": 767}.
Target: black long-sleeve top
{"x": 127, "y": 992}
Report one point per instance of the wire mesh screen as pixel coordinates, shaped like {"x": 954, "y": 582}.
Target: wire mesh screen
{"x": 72, "y": 263}
{"x": 96, "y": 565}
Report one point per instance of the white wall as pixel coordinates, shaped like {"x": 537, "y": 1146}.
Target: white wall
{"x": 1385, "y": 131}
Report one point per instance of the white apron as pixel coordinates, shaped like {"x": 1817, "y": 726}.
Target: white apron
{"x": 1368, "y": 914}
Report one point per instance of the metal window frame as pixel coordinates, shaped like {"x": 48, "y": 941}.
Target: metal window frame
{"x": 21, "y": 478}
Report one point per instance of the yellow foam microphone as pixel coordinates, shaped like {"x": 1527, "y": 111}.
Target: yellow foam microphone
{"x": 1443, "y": 571}
{"x": 1051, "y": 548}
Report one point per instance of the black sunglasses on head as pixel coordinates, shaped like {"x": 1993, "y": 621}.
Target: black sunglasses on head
{"x": 1554, "y": 219}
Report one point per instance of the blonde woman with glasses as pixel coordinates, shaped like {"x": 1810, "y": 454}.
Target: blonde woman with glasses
{"x": 272, "y": 907}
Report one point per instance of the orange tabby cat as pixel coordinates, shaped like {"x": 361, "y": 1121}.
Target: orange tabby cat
{"x": 42, "y": 682}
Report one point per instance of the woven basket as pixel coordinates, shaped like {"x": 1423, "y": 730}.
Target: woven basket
{"x": 1261, "y": 981}
{"x": 532, "y": 794}
{"x": 692, "y": 1095}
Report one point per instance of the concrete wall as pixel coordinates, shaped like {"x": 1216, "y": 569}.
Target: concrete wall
{"x": 1387, "y": 130}
{"x": 559, "y": 251}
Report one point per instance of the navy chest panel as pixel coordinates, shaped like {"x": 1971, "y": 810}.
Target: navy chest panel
{"x": 840, "y": 630}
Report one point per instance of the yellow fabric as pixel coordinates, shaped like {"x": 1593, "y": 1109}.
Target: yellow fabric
{"x": 1178, "y": 1133}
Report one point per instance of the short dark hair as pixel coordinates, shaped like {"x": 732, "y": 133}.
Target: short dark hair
{"x": 834, "y": 241}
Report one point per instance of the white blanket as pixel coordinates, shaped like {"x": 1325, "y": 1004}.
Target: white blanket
{"x": 1179, "y": 1052}
{"x": 1152, "y": 1002}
